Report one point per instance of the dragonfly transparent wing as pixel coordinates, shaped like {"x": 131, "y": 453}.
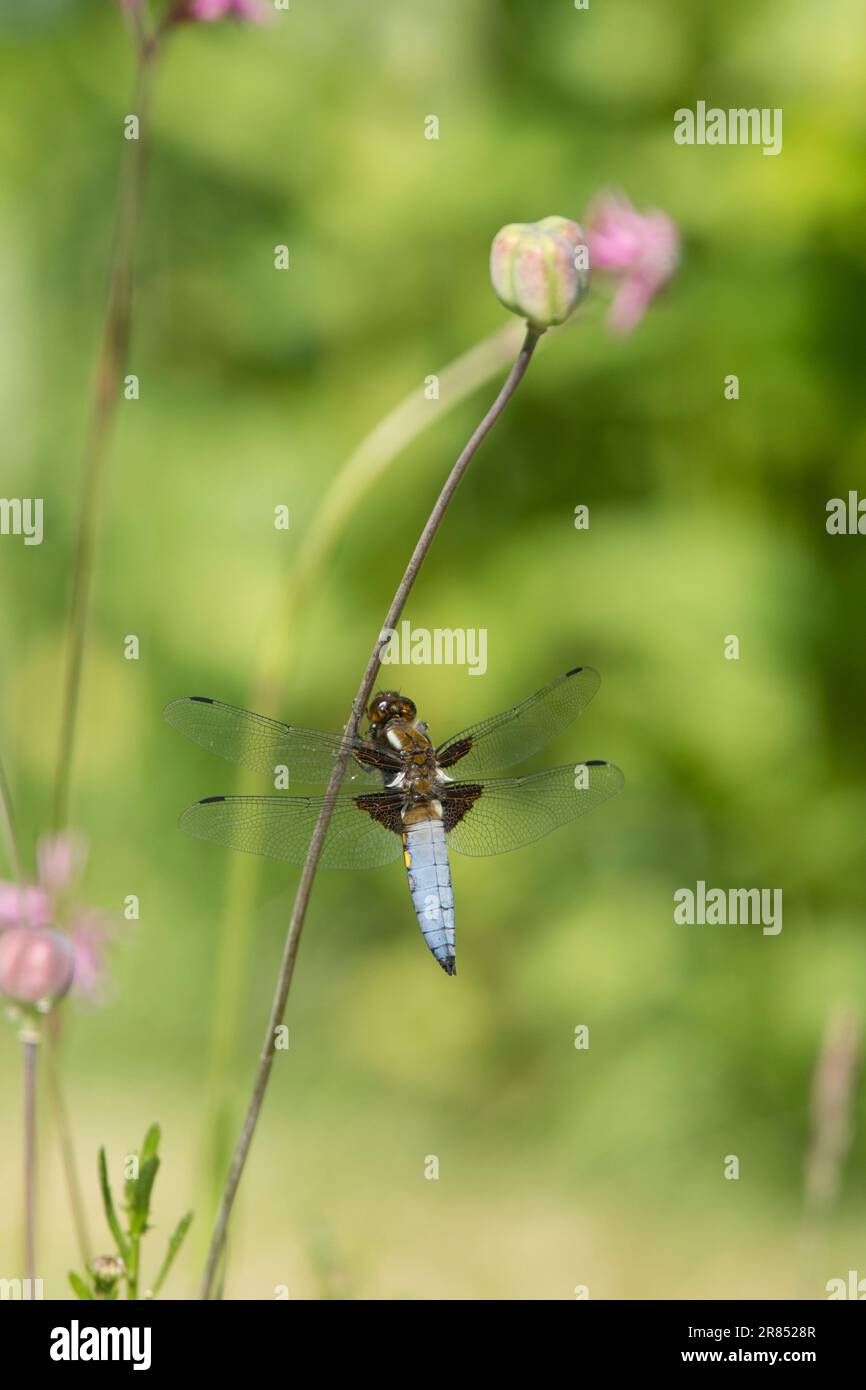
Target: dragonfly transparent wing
{"x": 363, "y": 833}
{"x": 264, "y": 744}
{"x": 505, "y": 813}
{"x": 515, "y": 735}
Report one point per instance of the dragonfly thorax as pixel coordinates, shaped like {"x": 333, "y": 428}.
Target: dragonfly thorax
{"x": 419, "y": 779}
{"x": 411, "y": 742}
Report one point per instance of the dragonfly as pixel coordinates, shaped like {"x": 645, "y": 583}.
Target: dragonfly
{"x": 401, "y": 795}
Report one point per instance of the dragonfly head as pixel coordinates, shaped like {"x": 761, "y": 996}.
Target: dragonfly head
{"x": 387, "y": 705}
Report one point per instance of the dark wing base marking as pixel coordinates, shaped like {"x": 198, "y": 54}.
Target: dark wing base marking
{"x": 381, "y": 758}
{"x": 460, "y": 798}
{"x": 384, "y": 809}
{"x": 454, "y": 752}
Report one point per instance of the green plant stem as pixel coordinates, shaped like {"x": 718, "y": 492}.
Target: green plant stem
{"x": 132, "y": 1267}
{"x": 833, "y": 1105}
{"x": 30, "y": 1049}
{"x": 106, "y": 394}
{"x": 10, "y": 834}
{"x": 67, "y": 1150}
{"x": 296, "y": 922}
{"x": 361, "y": 473}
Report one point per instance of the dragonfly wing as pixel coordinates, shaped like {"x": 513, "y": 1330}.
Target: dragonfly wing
{"x": 515, "y": 735}
{"x": 502, "y": 814}
{"x": 363, "y": 833}
{"x": 264, "y": 744}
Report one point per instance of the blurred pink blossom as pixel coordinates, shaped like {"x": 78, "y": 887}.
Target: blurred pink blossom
{"x": 37, "y": 964}
{"x": 641, "y": 249}
{"x": 206, "y": 11}
{"x": 90, "y": 936}
{"x": 24, "y": 905}
{"x": 60, "y": 860}
{"x": 35, "y": 908}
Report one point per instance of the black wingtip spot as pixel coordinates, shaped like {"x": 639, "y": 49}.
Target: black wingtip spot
{"x": 576, "y": 672}
{"x": 202, "y": 699}
{"x": 206, "y": 800}
{"x": 597, "y": 762}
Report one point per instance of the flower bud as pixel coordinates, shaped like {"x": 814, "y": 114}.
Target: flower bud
{"x": 107, "y": 1271}
{"x": 540, "y": 269}
{"x": 36, "y": 965}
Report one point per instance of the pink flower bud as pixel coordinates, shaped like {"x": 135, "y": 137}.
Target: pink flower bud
{"x": 36, "y": 965}
{"x": 539, "y": 269}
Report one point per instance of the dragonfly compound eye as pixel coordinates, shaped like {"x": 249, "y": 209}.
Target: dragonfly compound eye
{"x": 381, "y": 707}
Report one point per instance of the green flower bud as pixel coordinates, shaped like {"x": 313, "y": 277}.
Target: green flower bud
{"x": 107, "y": 1271}
{"x": 540, "y": 270}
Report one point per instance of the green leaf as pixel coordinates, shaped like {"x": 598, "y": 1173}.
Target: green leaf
{"x": 108, "y": 1203}
{"x": 141, "y": 1193}
{"x": 79, "y": 1287}
{"x": 174, "y": 1245}
{"x": 151, "y": 1143}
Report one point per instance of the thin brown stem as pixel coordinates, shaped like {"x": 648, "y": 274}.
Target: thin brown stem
{"x": 30, "y": 1047}
{"x": 106, "y": 394}
{"x": 299, "y": 910}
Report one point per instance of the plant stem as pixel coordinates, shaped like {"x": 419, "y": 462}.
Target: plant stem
{"x": 30, "y": 1046}
{"x": 9, "y": 832}
{"x": 296, "y": 922}
{"x": 106, "y": 394}
{"x": 67, "y": 1150}
{"x": 358, "y": 475}
{"x": 132, "y": 1268}
{"x": 833, "y": 1103}
{"x": 29, "y": 1043}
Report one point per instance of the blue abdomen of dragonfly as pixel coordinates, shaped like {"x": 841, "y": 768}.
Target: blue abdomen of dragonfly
{"x": 425, "y": 855}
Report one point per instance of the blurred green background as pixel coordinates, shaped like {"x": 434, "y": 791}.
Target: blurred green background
{"x": 557, "y": 1167}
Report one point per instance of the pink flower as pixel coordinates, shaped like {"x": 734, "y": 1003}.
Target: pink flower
{"x": 35, "y": 909}
{"x": 60, "y": 860}
{"x": 90, "y": 935}
{"x": 37, "y": 965}
{"x": 641, "y": 249}
{"x": 25, "y": 905}
{"x": 206, "y": 11}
